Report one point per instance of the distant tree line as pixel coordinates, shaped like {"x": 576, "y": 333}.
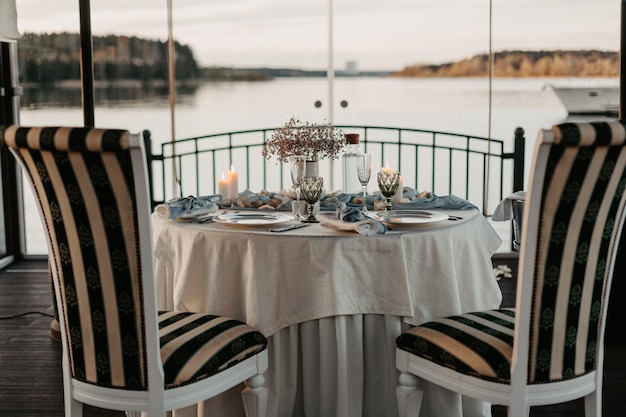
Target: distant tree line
{"x": 262, "y": 74}
{"x": 588, "y": 63}
{"x": 47, "y": 58}
{"x": 51, "y": 57}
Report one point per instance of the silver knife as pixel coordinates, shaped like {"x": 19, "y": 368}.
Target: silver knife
{"x": 290, "y": 227}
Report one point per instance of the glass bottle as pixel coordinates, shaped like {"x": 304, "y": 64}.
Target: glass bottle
{"x": 351, "y": 184}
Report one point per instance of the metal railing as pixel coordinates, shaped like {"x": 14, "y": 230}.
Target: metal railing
{"x": 471, "y": 167}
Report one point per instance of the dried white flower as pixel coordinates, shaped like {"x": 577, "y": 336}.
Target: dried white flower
{"x": 312, "y": 140}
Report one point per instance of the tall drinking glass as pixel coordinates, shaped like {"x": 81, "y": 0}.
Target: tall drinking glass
{"x": 364, "y": 171}
{"x": 298, "y": 168}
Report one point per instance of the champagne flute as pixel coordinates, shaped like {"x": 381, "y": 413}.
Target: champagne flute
{"x": 298, "y": 168}
{"x": 364, "y": 171}
{"x": 311, "y": 191}
{"x": 388, "y": 182}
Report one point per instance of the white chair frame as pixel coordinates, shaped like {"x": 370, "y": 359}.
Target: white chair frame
{"x": 519, "y": 396}
{"x": 156, "y": 400}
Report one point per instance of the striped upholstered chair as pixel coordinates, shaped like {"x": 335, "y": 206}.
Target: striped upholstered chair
{"x": 549, "y": 349}
{"x": 119, "y": 352}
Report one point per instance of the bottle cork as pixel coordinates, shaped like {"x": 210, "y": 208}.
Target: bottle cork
{"x": 352, "y": 138}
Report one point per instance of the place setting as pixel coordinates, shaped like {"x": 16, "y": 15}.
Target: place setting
{"x": 372, "y": 222}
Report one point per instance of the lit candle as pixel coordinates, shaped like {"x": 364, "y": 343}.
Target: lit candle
{"x": 223, "y": 187}
{"x": 233, "y": 179}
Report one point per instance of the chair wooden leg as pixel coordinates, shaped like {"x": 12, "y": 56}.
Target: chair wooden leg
{"x": 73, "y": 408}
{"x": 519, "y": 409}
{"x": 255, "y": 397}
{"x": 593, "y": 404}
{"x": 408, "y": 395}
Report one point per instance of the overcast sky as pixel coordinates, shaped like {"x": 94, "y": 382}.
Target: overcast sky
{"x": 377, "y": 34}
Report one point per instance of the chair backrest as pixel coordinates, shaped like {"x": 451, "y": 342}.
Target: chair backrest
{"x": 573, "y": 218}
{"x": 90, "y": 186}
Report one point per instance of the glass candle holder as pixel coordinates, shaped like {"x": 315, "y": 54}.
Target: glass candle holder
{"x": 311, "y": 189}
{"x": 388, "y": 182}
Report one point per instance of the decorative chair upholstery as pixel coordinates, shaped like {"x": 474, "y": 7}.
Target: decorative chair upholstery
{"x": 119, "y": 352}
{"x": 548, "y": 349}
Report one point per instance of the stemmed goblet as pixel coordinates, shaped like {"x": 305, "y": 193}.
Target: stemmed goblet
{"x": 311, "y": 188}
{"x": 364, "y": 171}
{"x": 298, "y": 168}
{"x": 388, "y": 182}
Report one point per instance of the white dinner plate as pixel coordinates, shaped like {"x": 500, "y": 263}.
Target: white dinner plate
{"x": 412, "y": 217}
{"x": 253, "y": 218}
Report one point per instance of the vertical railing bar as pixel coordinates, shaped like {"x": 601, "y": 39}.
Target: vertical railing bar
{"x": 179, "y": 168}
{"x": 382, "y": 154}
{"x": 282, "y": 174}
{"x": 230, "y": 150}
{"x": 215, "y": 178}
{"x": 484, "y": 176}
{"x": 518, "y": 160}
{"x": 450, "y": 172}
{"x": 399, "y": 139}
{"x": 248, "y": 177}
{"x": 434, "y": 174}
{"x": 197, "y": 167}
{"x": 365, "y": 142}
{"x": 501, "y": 180}
{"x": 163, "y": 172}
{"x": 467, "y": 165}
{"x": 417, "y": 166}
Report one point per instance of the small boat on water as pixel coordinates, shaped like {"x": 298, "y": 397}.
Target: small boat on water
{"x": 589, "y": 100}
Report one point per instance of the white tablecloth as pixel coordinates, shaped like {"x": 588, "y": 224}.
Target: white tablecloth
{"x": 331, "y": 303}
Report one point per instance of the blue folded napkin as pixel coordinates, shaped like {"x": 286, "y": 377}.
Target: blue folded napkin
{"x": 353, "y": 214}
{"x": 189, "y": 206}
{"x": 449, "y": 202}
{"x": 331, "y": 202}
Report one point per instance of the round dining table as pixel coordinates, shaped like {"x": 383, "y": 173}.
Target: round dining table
{"x": 331, "y": 302}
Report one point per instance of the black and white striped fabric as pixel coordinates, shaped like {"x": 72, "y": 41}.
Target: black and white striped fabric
{"x": 195, "y": 345}
{"x": 582, "y": 205}
{"x": 83, "y": 179}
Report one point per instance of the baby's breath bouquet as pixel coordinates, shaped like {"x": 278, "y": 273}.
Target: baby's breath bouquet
{"x": 314, "y": 141}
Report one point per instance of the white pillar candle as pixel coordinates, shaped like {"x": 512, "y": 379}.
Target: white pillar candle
{"x": 233, "y": 179}
{"x": 397, "y": 197}
{"x": 223, "y": 187}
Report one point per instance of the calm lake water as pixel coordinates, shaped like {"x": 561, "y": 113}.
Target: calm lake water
{"x": 449, "y": 105}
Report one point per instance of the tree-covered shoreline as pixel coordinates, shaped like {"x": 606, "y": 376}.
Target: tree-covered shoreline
{"x": 53, "y": 60}
{"x": 576, "y": 63}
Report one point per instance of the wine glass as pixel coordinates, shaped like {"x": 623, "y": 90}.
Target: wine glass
{"x": 298, "y": 168}
{"x": 388, "y": 182}
{"x": 311, "y": 191}
{"x": 364, "y": 171}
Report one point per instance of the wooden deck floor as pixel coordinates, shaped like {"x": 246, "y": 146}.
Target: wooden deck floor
{"x": 30, "y": 362}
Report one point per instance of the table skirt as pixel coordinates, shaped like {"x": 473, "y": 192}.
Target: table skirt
{"x": 338, "y": 366}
